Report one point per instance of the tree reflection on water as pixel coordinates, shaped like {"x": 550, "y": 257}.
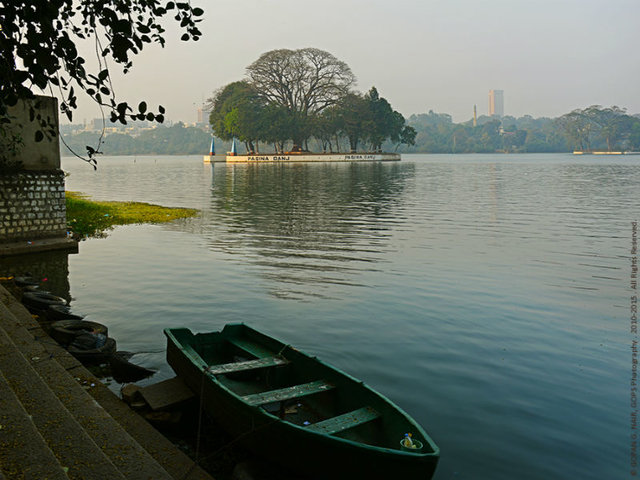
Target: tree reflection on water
{"x": 308, "y": 227}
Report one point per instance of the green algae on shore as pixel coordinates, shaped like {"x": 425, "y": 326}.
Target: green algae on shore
{"x": 89, "y": 218}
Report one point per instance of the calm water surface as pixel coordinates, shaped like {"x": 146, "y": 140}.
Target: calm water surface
{"x": 489, "y": 296}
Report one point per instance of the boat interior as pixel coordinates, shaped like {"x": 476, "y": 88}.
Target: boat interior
{"x": 300, "y": 389}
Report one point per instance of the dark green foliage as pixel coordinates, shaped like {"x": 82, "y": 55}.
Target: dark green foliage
{"x": 352, "y": 118}
{"x": 295, "y": 95}
{"x": 302, "y": 82}
{"x": 436, "y": 133}
{"x": 238, "y": 111}
{"x": 38, "y": 48}
{"x": 634, "y": 135}
{"x": 428, "y": 133}
{"x": 600, "y": 128}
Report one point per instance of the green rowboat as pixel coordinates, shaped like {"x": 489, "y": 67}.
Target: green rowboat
{"x": 297, "y": 411}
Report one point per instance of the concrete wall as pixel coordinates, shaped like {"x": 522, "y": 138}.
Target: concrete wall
{"x": 43, "y": 155}
{"x": 50, "y": 268}
{"x": 32, "y": 206}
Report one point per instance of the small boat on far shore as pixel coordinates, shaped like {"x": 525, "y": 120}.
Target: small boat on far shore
{"x": 297, "y": 411}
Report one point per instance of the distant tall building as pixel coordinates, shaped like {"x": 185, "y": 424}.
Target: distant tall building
{"x": 496, "y": 103}
{"x": 203, "y": 115}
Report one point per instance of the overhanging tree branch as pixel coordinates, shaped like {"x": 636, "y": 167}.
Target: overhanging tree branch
{"x": 38, "y": 48}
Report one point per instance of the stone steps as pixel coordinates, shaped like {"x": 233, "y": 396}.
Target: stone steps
{"x": 122, "y": 450}
{"x": 174, "y": 461}
{"x": 74, "y": 449}
{"x": 74, "y": 413}
{"x": 23, "y": 451}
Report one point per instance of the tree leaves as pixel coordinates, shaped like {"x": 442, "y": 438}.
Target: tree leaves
{"x": 39, "y": 40}
{"x": 304, "y": 81}
{"x": 298, "y": 94}
{"x": 584, "y": 127}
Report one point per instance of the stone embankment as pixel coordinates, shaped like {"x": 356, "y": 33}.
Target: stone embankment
{"x": 32, "y": 205}
{"x": 57, "y": 421}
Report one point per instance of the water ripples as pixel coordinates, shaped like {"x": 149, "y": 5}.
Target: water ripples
{"x": 487, "y": 295}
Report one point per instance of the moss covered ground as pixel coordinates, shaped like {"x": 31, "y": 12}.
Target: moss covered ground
{"x": 89, "y": 218}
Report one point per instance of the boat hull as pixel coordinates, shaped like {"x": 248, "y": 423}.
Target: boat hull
{"x": 296, "y": 448}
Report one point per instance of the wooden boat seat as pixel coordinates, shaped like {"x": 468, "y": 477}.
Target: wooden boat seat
{"x": 345, "y": 421}
{"x": 288, "y": 393}
{"x": 250, "y": 347}
{"x": 247, "y": 366}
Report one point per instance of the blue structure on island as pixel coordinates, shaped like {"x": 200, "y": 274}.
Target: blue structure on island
{"x": 234, "y": 149}
{"x": 211, "y": 157}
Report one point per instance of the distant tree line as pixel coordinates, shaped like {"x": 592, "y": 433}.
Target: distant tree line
{"x": 599, "y": 128}
{"x": 162, "y": 140}
{"x": 592, "y": 128}
{"x": 292, "y": 97}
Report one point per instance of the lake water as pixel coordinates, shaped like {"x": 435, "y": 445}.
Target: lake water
{"x": 490, "y": 296}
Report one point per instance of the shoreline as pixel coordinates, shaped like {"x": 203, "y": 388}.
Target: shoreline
{"x": 289, "y": 157}
{"x": 92, "y": 218}
{"x": 157, "y": 154}
{"x": 62, "y": 421}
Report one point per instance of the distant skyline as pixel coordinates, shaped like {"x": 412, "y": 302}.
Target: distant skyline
{"x": 549, "y": 57}
{"x": 496, "y": 103}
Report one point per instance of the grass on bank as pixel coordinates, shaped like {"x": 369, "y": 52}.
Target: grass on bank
{"x": 89, "y": 218}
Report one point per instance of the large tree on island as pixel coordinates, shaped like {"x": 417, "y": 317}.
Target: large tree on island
{"x": 386, "y": 123}
{"x": 237, "y": 111}
{"x": 39, "y": 42}
{"x": 304, "y": 82}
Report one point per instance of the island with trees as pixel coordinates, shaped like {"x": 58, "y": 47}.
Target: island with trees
{"x": 290, "y": 98}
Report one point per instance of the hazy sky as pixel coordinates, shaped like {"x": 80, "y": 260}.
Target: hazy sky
{"x": 549, "y": 56}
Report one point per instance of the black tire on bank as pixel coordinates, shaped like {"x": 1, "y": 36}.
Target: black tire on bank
{"x": 40, "y": 301}
{"x": 61, "y": 312}
{"x": 25, "y": 282}
{"x": 65, "y": 331}
{"x": 94, "y": 356}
